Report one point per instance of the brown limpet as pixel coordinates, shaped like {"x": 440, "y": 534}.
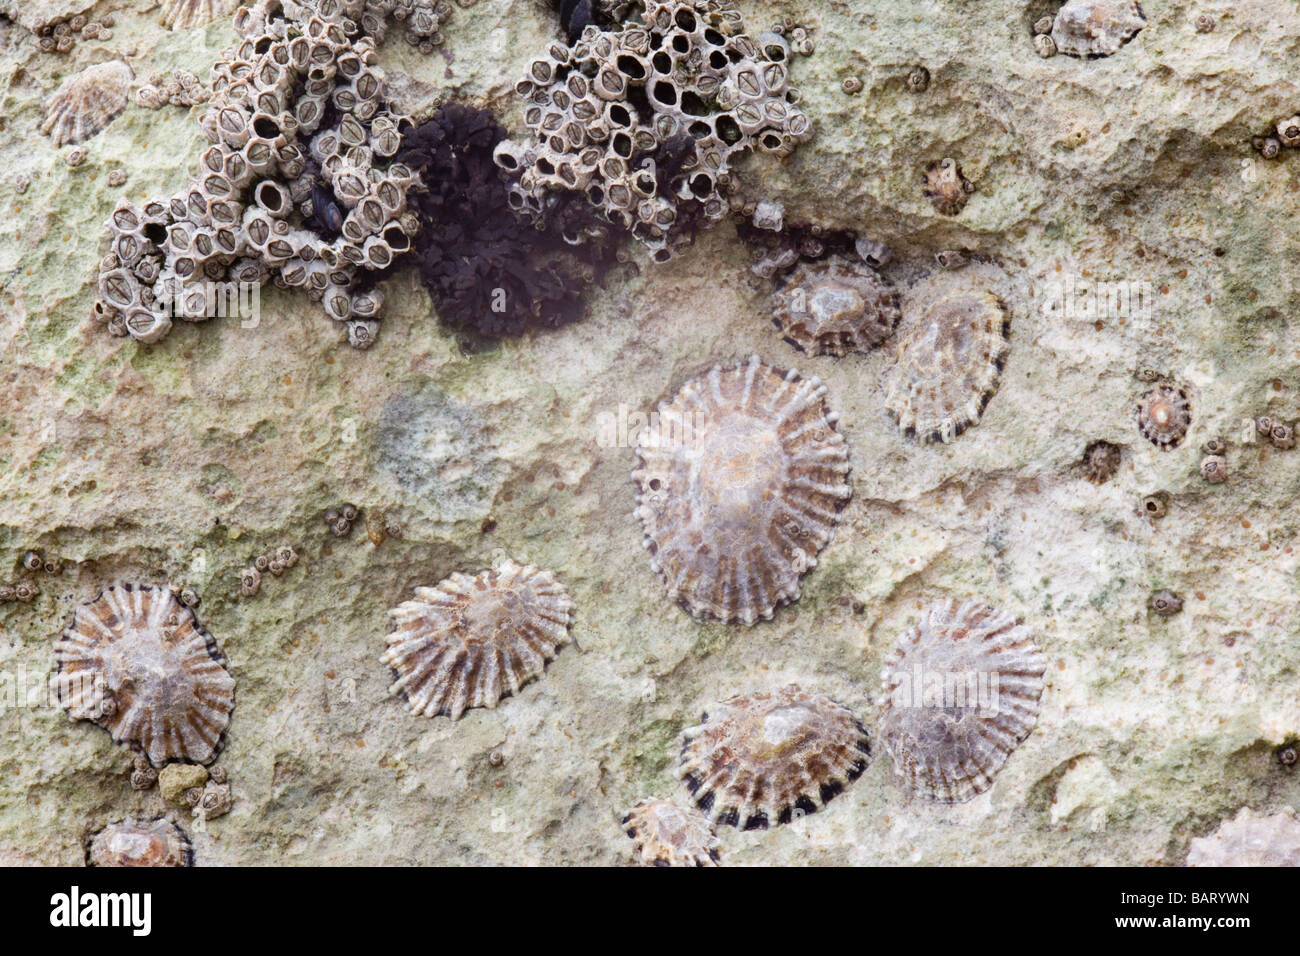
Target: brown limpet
{"x": 471, "y": 641}
{"x": 740, "y": 488}
{"x": 137, "y": 662}
{"x": 140, "y": 842}
{"x": 665, "y": 834}
{"x": 833, "y": 308}
{"x": 763, "y": 758}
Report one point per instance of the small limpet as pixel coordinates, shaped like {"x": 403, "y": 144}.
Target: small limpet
{"x": 833, "y": 308}
{"x": 140, "y": 842}
{"x": 1088, "y": 28}
{"x": 1164, "y": 414}
{"x": 740, "y": 488}
{"x": 960, "y": 691}
{"x": 87, "y": 102}
{"x": 766, "y": 757}
{"x": 471, "y": 641}
{"x": 665, "y": 834}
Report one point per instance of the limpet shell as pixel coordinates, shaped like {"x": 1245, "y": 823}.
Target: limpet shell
{"x": 665, "y": 834}
{"x": 766, "y": 757}
{"x": 140, "y": 842}
{"x": 1251, "y": 839}
{"x": 1164, "y": 414}
{"x": 833, "y": 308}
{"x": 740, "y": 488}
{"x": 960, "y": 691}
{"x": 1087, "y": 28}
{"x": 953, "y": 343}
{"x": 472, "y": 640}
{"x": 87, "y": 102}
{"x": 137, "y": 662}
{"x": 186, "y": 14}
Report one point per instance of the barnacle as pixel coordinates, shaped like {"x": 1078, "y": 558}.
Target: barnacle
{"x": 1164, "y": 415}
{"x": 140, "y": 842}
{"x": 489, "y": 268}
{"x": 608, "y": 118}
{"x": 666, "y": 834}
{"x": 952, "y": 346}
{"x": 136, "y": 662}
{"x": 1101, "y": 460}
{"x": 184, "y": 14}
{"x": 740, "y": 488}
{"x": 946, "y": 187}
{"x": 1166, "y": 603}
{"x": 1214, "y": 469}
{"x": 296, "y": 110}
{"x": 87, "y": 102}
{"x": 766, "y": 757}
{"x": 1086, "y": 28}
{"x": 960, "y": 691}
{"x": 472, "y": 640}
{"x": 835, "y": 308}
{"x": 1251, "y": 839}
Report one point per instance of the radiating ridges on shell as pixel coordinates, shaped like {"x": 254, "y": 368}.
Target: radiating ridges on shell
{"x": 187, "y": 14}
{"x": 140, "y": 842}
{"x": 665, "y": 834}
{"x": 740, "y": 489}
{"x": 960, "y": 691}
{"x": 472, "y": 640}
{"x": 1087, "y": 28}
{"x": 1163, "y": 415}
{"x": 833, "y": 308}
{"x": 137, "y": 662}
{"x": 952, "y": 345}
{"x": 768, "y": 757}
{"x": 1251, "y": 839}
{"x": 87, "y": 102}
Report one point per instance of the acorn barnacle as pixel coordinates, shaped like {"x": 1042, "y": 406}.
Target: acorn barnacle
{"x": 768, "y": 757}
{"x": 1166, "y": 603}
{"x": 833, "y": 308}
{"x": 946, "y": 187}
{"x": 472, "y": 640}
{"x": 1252, "y": 839}
{"x": 1088, "y": 28}
{"x": 140, "y": 842}
{"x": 961, "y": 690}
{"x": 666, "y": 834}
{"x": 184, "y": 14}
{"x": 136, "y": 662}
{"x": 952, "y": 346}
{"x": 87, "y": 102}
{"x": 1164, "y": 415}
{"x": 740, "y": 488}
{"x": 1101, "y": 460}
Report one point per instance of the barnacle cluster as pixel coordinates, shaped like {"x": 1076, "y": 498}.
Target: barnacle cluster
{"x": 489, "y": 268}
{"x": 1278, "y": 434}
{"x": 339, "y": 520}
{"x": 275, "y": 562}
{"x": 178, "y": 88}
{"x": 299, "y": 185}
{"x": 61, "y": 34}
{"x": 646, "y": 120}
{"x": 23, "y": 591}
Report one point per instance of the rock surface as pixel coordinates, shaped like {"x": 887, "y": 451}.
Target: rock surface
{"x": 179, "y": 463}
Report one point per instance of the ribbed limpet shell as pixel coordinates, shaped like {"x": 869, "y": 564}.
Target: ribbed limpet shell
{"x": 141, "y": 842}
{"x": 87, "y": 102}
{"x": 1087, "y": 28}
{"x": 1164, "y": 414}
{"x": 1251, "y": 839}
{"x": 833, "y": 308}
{"x": 665, "y": 834}
{"x": 185, "y": 14}
{"x": 740, "y": 488}
{"x": 136, "y": 661}
{"x": 960, "y": 691}
{"x": 472, "y": 640}
{"x": 764, "y": 758}
{"x": 953, "y": 344}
